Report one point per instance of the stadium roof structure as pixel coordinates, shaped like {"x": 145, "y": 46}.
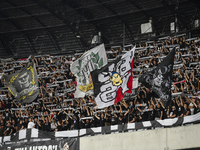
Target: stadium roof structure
{"x": 70, "y": 26}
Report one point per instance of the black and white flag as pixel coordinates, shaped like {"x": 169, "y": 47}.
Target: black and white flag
{"x": 24, "y": 84}
{"x": 159, "y": 79}
{"x": 112, "y": 81}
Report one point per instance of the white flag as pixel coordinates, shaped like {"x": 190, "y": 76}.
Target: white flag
{"x": 82, "y": 67}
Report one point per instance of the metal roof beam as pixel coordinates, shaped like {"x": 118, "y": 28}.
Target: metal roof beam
{"x": 14, "y": 7}
{"x": 175, "y": 13}
{"x": 88, "y": 15}
{"x": 133, "y": 2}
{"x": 52, "y": 37}
{"x": 122, "y": 21}
{"x": 7, "y": 49}
{"x": 31, "y": 29}
{"x": 14, "y": 24}
{"x": 84, "y": 44}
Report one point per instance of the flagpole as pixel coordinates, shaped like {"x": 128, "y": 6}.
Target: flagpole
{"x": 123, "y": 36}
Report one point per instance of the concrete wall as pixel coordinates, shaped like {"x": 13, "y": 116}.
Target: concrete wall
{"x": 158, "y": 139}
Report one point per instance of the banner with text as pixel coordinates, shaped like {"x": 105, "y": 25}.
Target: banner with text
{"x": 61, "y": 144}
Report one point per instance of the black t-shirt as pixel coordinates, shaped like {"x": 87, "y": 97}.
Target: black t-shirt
{"x": 84, "y": 112}
{"x": 2, "y": 124}
{"x": 102, "y": 122}
{"x": 87, "y": 125}
{"x": 1, "y": 131}
{"x": 9, "y": 130}
{"x": 151, "y": 115}
{"x": 145, "y": 116}
{"x": 114, "y": 120}
{"x": 60, "y": 128}
{"x": 19, "y": 126}
{"x": 172, "y": 112}
{"x": 38, "y": 109}
{"x": 40, "y": 127}
{"x": 59, "y": 117}
{"x": 14, "y": 128}
{"x": 120, "y": 120}
{"x": 180, "y": 110}
{"x": 130, "y": 117}
{"x": 197, "y": 110}
{"x": 185, "y": 111}
{"x": 66, "y": 126}
{"x": 25, "y": 124}
{"x": 47, "y": 127}
{"x": 96, "y": 121}
{"x": 158, "y": 111}
{"x": 82, "y": 124}
{"x": 76, "y": 124}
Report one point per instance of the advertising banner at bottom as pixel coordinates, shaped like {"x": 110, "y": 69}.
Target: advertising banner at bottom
{"x": 59, "y": 144}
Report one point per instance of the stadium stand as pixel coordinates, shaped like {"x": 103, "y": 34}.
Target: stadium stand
{"x": 56, "y": 109}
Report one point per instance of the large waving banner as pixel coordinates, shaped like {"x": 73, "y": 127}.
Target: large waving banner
{"x": 82, "y": 67}
{"x": 113, "y": 80}
{"x": 24, "y": 85}
{"x": 61, "y": 144}
{"x": 160, "y": 79}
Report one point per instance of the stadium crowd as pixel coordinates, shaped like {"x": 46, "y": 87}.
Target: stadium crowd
{"x": 56, "y": 109}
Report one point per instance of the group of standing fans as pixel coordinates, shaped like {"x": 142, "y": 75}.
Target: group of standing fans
{"x": 56, "y": 109}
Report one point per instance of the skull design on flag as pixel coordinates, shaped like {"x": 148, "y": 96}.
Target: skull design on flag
{"x": 24, "y": 80}
{"x": 160, "y": 78}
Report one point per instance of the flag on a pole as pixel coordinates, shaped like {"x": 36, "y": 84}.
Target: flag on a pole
{"x": 160, "y": 79}
{"x": 113, "y": 80}
{"x": 24, "y": 84}
{"x": 82, "y": 67}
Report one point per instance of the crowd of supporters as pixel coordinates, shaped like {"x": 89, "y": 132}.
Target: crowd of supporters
{"x": 56, "y": 109}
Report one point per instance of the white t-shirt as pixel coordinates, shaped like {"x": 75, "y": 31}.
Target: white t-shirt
{"x": 53, "y": 126}
{"x": 31, "y": 125}
{"x": 199, "y": 49}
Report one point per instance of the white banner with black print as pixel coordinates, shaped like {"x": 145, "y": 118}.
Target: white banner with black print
{"x": 82, "y": 67}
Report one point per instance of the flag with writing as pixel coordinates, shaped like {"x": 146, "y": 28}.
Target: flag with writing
{"x": 82, "y": 67}
{"x": 160, "y": 79}
{"x": 113, "y": 80}
{"x": 24, "y": 84}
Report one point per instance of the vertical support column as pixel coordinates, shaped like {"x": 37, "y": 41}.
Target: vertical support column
{"x": 124, "y": 36}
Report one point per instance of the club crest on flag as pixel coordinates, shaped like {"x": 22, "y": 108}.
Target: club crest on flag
{"x": 116, "y": 79}
{"x": 113, "y": 80}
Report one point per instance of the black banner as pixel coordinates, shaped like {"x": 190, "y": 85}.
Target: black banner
{"x": 59, "y": 144}
{"x": 24, "y": 84}
{"x": 159, "y": 79}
